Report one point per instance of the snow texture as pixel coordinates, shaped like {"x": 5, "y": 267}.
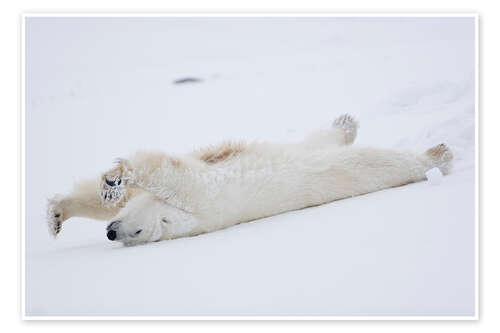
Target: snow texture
{"x": 434, "y": 176}
{"x": 101, "y": 88}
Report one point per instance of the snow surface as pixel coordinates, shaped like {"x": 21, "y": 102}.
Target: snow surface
{"x": 434, "y": 176}
{"x": 99, "y": 88}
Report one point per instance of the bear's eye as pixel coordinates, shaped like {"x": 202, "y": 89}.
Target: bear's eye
{"x": 164, "y": 220}
{"x": 138, "y": 231}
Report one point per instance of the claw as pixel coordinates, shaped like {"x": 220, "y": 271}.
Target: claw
{"x": 54, "y": 215}
{"x": 114, "y": 183}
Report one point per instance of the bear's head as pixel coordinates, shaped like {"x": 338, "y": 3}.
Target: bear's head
{"x": 146, "y": 218}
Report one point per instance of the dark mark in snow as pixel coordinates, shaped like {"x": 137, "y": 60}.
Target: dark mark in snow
{"x": 187, "y": 80}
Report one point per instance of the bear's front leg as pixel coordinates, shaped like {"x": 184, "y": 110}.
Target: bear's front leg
{"x": 172, "y": 179}
{"x": 55, "y": 215}
{"x": 82, "y": 201}
{"x": 115, "y": 182}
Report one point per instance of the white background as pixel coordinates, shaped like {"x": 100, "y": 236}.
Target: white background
{"x": 489, "y": 227}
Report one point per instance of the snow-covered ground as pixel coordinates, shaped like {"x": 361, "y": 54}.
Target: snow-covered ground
{"x": 98, "y": 89}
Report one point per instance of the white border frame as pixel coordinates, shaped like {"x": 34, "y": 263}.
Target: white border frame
{"x": 22, "y": 159}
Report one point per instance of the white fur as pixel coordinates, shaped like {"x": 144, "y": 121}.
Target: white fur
{"x": 166, "y": 197}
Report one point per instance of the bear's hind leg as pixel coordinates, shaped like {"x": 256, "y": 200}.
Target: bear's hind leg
{"x": 348, "y": 128}
{"x": 353, "y": 171}
{"x": 342, "y": 133}
{"x": 441, "y": 157}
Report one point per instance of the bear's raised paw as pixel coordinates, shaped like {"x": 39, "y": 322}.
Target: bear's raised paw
{"x": 113, "y": 187}
{"x": 348, "y": 125}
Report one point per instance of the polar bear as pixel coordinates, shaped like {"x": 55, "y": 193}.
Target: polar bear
{"x": 156, "y": 196}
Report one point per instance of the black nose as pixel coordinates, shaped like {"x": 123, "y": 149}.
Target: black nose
{"x": 111, "y": 235}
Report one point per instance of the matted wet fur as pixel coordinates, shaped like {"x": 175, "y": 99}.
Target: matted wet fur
{"x": 221, "y": 152}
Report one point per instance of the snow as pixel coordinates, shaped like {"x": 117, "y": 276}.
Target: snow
{"x": 434, "y": 176}
{"x": 98, "y": 89}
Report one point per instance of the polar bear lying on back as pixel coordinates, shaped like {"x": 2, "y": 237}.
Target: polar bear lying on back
{"x": 156, "y": 196}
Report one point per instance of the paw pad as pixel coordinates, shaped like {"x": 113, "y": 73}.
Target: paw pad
{"x": 54, "y": 216}
{"x": 114, "y": 183}
{"x": 112, "y": 191}
{"x": 441, "y": 157}
{"x": 349, "y": 125}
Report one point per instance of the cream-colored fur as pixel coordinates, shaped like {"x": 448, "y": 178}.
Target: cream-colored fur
{"x": 153, "y": 196}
